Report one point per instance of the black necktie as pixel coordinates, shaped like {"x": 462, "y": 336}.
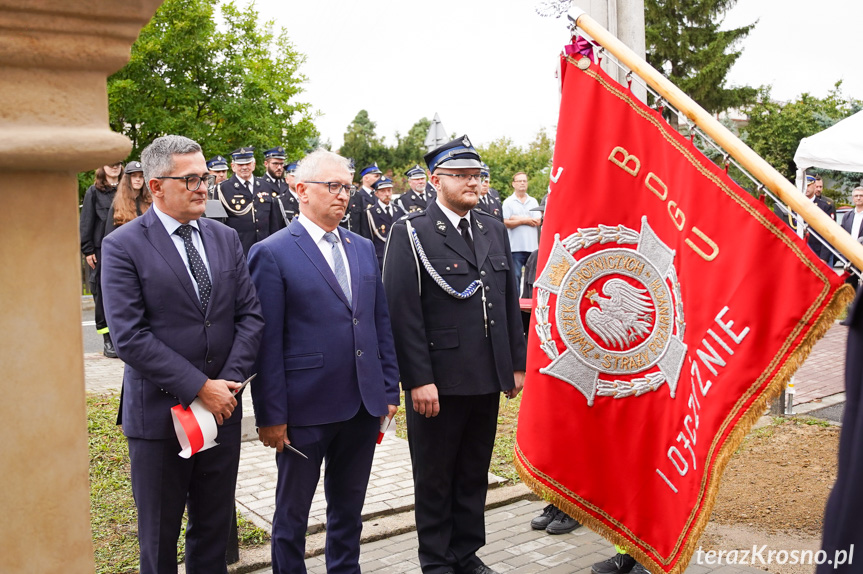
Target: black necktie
{"x": 196, "y": 264}
{"x": 464, "y": 228}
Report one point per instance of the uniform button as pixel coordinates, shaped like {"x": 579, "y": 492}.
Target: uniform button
{"x": 209, "y": 360}
{"x": 431, "y": 344}
{"x": 359, "y": 353}
{"x": 206, "y": 323}
{"x": 482, "y": 273}
{"x": 447, "y": 268}
{"x": 491, "y": 305}
{"x": 491, "y": 322}
{"x": 356, "y": 321}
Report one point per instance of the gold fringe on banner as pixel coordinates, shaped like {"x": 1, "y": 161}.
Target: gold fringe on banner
{"x": 585, "y": 512}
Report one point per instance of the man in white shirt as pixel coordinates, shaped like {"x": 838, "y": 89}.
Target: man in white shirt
{"x": 521, "y": 223}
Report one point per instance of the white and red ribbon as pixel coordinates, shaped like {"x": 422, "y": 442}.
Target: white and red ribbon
{"x": 195, "y": 427}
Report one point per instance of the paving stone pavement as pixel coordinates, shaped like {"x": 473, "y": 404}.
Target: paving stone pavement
{"x": 511, "y": 547}
{"x": 390, "y": 487}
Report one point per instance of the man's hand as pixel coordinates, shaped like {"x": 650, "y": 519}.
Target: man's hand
{"x": 274, "y": 437}
{"x": 91, "y": 260}
{"x": 218, "y": 396}
{"x": 425, "y": 400}
{"x": 519, "y": 385}
{"x": 393, "y": 409}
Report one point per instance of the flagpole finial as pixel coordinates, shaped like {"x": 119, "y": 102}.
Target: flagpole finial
{"x": 575, "y": 13}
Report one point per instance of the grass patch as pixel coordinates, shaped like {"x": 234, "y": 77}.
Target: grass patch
{"x": 112, "y": 509}
{"x": 811, "y": 421}
{"x": 504, "y": 444}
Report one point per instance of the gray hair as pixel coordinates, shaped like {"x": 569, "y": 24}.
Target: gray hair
{"x": 858, "y": 188}
{"x": 310, "y": 166}
{"x": 157, "y": 159}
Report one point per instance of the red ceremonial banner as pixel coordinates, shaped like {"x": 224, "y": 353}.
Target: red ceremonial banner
{"x": 669, "y": 307}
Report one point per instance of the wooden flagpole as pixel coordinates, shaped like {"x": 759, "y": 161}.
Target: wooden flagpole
{"x": 831, "y": 231}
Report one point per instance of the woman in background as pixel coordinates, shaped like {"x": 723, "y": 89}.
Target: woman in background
{"x": 132, "y": 199}
{"x": 94, "y": 214}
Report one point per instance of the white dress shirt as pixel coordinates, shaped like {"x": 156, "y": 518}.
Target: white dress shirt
{"x": 171, "y": 225}
{"x": 326, "y": 248}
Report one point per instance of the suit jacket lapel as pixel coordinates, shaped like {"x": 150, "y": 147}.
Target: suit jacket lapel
{"x": 480, "y": 242}
{"x": 304, "y": 241}
{"x": 158, "y": 236}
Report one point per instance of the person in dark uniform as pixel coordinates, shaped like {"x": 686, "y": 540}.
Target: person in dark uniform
{"x": 274, "y": 183}
{"x": 431, "y": 191}
{"x": 487, "y": 202}
{"x": 457, "y": 326}
{"x": 381, "y": 216}
{"x": 218, "y": 166}
{"x": 251, "y": 211}
{"x": 94, "y": 215}
{"x": 290, "y": 200}
{"x": 417, "y": 198}
{"x": 798, "y": 225}
{"x": 364, "y": 197}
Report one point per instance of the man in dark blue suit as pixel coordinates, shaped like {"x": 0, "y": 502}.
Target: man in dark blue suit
{"x": 187, "y": 323}
{"x": 327, "y": 373}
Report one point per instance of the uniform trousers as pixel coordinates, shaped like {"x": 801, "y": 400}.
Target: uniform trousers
{"x": 451, "y": 454}
{"x": 348, "y": 448}
{"x": 163, "y": 483}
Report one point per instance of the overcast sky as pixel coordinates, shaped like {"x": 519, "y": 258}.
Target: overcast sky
{"x": 487, "y": 66}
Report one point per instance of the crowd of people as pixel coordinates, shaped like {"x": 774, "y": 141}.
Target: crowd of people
{"x": 334, "y": 295}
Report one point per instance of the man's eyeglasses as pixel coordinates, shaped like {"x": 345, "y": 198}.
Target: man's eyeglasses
{"x": 193, "y": 182}
{"x": 335, "y": 187}
{"x": 467, "y": 177}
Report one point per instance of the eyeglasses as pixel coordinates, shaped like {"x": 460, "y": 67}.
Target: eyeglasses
{"x": 193, "y": 182}
{"x": 468, "y": 177}
{"x": 335, "y": 187}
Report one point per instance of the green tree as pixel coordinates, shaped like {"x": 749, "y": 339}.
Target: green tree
{"x": 775, "y": 129}
{"x": 362, "y": 144}
{"x": 684, "y": 42}
{"x": 505, "y": 159}
{"x": 224, "y": 86}
{"x": 409, "y": 151}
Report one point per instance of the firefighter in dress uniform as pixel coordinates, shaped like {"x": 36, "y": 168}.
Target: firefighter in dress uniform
{"x": 381, "y": 215}
{"x": 359, "y": 201}
{"x": 251, "y": 211}
{"x": 487, "y": 202}
{"x": 418, "y": 197}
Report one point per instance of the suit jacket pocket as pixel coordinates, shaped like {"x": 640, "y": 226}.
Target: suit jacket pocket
{"x": 307, "y": 361}
{"x": 439, "y": 339}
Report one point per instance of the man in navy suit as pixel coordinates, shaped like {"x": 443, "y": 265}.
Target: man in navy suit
{"x": 187, "y": 323}
{"x": 327, "y": 373}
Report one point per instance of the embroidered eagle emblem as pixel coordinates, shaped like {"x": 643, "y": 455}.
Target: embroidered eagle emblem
{"x": 623, "y": 317}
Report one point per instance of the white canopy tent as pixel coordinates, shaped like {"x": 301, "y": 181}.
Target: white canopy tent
{"x": 839, "y": 147}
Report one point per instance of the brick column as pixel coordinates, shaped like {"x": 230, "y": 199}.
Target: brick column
{"x": 54, "y": 60}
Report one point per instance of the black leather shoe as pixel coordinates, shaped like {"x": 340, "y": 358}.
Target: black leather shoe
{"x": 638, "y": 569}
{"x": 109, "y": 347}
{"x": 617, "y": 564}
{"x": 542, "y": 521}
{"x": 563, "y": 523}
{"x": 483, "y": 569}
